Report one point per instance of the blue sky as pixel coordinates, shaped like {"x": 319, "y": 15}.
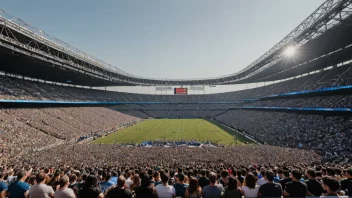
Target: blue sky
{"x": 168, "y": 38}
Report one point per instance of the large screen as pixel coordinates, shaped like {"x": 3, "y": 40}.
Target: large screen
{"x": 180, "y": 91}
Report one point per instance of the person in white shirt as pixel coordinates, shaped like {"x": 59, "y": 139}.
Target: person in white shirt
{"x": 250, "y": 189}
{"x": 165, "y": 190}
{"x": 40, "y": 190}
{"x": 129, "y": 180}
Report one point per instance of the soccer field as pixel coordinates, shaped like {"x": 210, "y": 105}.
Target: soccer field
{"x": 173, "y": 129}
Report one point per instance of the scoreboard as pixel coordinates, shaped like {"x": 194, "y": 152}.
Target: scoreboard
{"x": 180, "y": 91}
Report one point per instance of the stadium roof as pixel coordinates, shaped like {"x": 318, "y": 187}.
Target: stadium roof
{"x": 322, "y": 39}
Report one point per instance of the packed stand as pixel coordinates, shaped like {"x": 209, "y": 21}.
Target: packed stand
{"x": 215, "y": 179}
{"x": 330, "y": 136}
{"x": 24, "y": 130}
{"x": 15, "y": 88}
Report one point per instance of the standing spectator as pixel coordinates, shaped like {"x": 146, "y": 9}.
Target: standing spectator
{"x": 270, "y": 189}
{"x": 41, "y": 190}
{"x": 73, "y": 184}
{"x": 129, "y": 178}
{"x": 346, "y": 184}
{"x": 240, "y": 177}
{"x": 19, "y": 188}
{"x": 180, "y": 186}
{"x": 295, "y": 188}
{"x": 212, "y": 190}
{"x": 113, "y": 179}
{"x": 250, "y": 189}
{"x": 165, "y": 190}
{"x": 145, "y": 190}
{"x": 224, "y": 178}
{"x": 90, "y": 189}
{"x": 203, "y": 180}
{"x": 314, "y": 187}
{"x": 157, "y": 179}
{"x": 55, "y": 181}
{"x": 64, "y": 191}
{"x": 193, "y": 190}
{"x": 119, "y": 191}
{"x": 232, "y": 190}
{"x": 331, "y": 185}
{"x": 262, "y": 180}
{"x": 106, "y": 184}
{"x": 286, "y": 179}
{"x": 136, "y": 182}
{"x": 3, "y": 186}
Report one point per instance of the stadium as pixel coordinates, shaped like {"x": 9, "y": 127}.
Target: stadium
{"x": 59, "y": 116}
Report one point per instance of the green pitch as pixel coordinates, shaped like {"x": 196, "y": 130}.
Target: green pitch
{"x": 173, "y": 129}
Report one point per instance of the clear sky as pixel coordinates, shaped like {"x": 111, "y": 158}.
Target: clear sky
{"x": 168, "y": 38}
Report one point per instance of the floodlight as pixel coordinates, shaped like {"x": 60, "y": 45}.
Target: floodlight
{"x": 290, "y": 51}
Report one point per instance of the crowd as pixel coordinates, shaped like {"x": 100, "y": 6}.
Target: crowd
{"x": 15, "y": 88}
{"x": 23, "y": 130}
{"x": 185, "y": 176}
{"x": 330, "y": 136}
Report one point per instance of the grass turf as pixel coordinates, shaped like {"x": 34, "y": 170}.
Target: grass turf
{"x": 173, "y": 129}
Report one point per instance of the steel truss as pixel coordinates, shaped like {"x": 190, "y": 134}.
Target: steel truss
{"x": 36, "y": 43}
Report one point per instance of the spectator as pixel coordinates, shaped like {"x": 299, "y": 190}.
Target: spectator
{"x": 113, "y": 179}
{"x": 144, "y": 190}
{"x": 286, "y": 179}
{"x": 55, "y": 181}
{"x": 270, "y": 189}
{"x": 119, "y": 191}
{"x": 64, "y": 191}
{"x": 203, "y": 180}
{"x": 331, "y": 185}
{"x": 129, "y": 178}
{"x": 3, "y": 186}
{"x": 156, "y": 178}
{"x": 180, "y": 186}
{"x": 232, "y": 190}
{"x": 224, "y": 178}
{"x": 240, "y": 177}
{"x": 136, "y": 182}
{"x": 106, "y": 183}
{"x": 193, "y": 190}
{"x": 250, "y": 189}
{"x": 73, "y": 184}
{"x": 165, "y": 190}
{"x": 262, "y": 180}
{"x": 295, "y": 188}
{"x": 90, "y": 188}
{"x": 346, "y": 184}
{"x": 19, "y": 188}
{"x": 212, "y": 190}
{"x": 314, "y": 187}
{"x": 41, "y": 190}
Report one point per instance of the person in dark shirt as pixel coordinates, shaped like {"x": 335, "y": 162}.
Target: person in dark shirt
{"x": 331, "y": 185}
{"x": 314, "y": 187}
{"x": 270, "y": 189}
{"x": 346, "y": 184}
{"x": 295, "y": 188}
{"x": 119, "y": 191}
{"x": 286, "y": 179}
{"x": 203, "y": 180}
{"x": 232, "y": 190}
{"x": 180, "y": 186}
{"x": 224, "y": 178}
{"x": 240, "y": 177}
{"x": 145, "y": 190}
{"x": 90, "y": 188}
